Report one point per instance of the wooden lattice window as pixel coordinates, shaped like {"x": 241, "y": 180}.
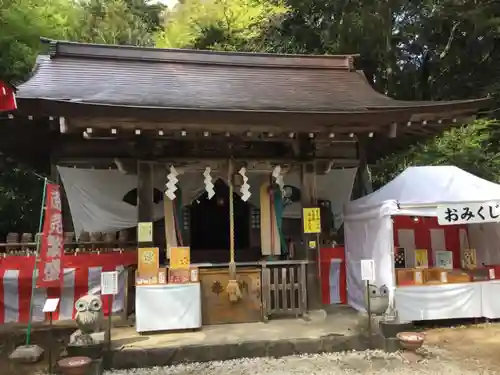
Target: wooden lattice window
{"x": 186, "y": 217}
{"x": 255, "y": 218}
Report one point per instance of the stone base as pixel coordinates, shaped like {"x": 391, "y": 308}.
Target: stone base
{"x": 97, "y": 337}
{"x": 391, "y": 344}
{"x": 91, "y": 351}
{"x": 129, "y": 357}
{"x": 97, "y": 367}
{"x": 26, "y": 354}
{"x": 392, "y": 328}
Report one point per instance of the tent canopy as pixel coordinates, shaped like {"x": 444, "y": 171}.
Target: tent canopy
{"x": 417, "y": 191}
{"x": 427, "y": 187}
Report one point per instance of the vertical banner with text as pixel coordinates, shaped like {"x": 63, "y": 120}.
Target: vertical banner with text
{"x": 50, "y": 270}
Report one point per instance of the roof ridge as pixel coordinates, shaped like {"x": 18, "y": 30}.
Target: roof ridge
{"x": 151, "y": 54}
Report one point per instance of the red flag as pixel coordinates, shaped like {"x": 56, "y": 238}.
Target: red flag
{"x": 50, "y": 271}
{"x": 7, "y": 98}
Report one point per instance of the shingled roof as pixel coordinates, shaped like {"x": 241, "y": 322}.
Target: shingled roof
{"x": 205, "y": 80}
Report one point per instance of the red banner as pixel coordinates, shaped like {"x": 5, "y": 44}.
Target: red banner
{"x": 50, "y": 270}
{"x": 7, "y": 98}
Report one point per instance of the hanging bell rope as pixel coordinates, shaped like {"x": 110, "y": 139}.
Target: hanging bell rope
{"x": 233, "y": 288}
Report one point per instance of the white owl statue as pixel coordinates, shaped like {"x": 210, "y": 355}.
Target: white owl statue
{"x": 89, "y": 317}
{"x": 379, "y": 299}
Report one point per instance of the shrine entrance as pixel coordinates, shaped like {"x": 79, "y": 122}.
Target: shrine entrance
{"x": 209, "y": 224}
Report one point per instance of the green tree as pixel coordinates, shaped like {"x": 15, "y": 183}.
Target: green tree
{"x": 22, "y": 22}
{"x": 20, "y": 199}
{"x": 469, "y": 147}
{"x": 113, "y": 22}
{"x": 217, "y": 24}
{"x": 151, "y": 13}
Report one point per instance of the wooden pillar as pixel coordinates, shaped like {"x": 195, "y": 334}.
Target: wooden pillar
{"x": 308, "y": 199}
{"x": 360, "y": 188}
{"x": 145, "y": 186}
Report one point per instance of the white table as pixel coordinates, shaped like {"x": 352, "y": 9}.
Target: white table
{"x": 444, "y": 301}
{"x": 490, "y": 299}
{"x": 167, "y": 307}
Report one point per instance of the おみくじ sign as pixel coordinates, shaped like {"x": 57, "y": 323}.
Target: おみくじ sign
{"x": 468, "y": 213}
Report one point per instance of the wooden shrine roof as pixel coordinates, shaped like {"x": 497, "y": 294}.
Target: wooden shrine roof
{"x": 149, "y": 78}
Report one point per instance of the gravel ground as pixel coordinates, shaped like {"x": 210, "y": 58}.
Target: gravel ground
{"x": 430, "y": 362}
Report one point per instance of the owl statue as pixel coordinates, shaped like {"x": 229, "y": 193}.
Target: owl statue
{"x": 379, "y": 299}
{"x": 89, "y": 314}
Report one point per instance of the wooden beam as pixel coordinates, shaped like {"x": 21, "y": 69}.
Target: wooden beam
{"x": 74, "y": 147}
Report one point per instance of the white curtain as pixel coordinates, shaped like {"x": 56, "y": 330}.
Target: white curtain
{"x": 369, "y": 236}
{"x": 96, "y": 196}
{"x": 485, "y": 238}
{"x": 96, "y": 202}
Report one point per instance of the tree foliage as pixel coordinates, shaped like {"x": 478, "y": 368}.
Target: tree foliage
{"x": 472, "y": 148}
{"x": 217, "y": 24}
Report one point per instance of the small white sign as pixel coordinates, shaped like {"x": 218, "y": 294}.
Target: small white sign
{"x": 50, "y": 305}
{"x": 109, "y": 283}
{"x": 367, "y": 270}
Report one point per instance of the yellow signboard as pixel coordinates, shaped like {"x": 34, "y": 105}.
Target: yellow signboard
{"x": 148, "y": 262}
{"x": 145, "y": 232}
{"x": 421, "y": 258}
{"x": 312, "y": 220}
{"x": 180, "y": 257}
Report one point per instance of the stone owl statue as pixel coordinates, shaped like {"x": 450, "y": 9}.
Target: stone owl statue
{"x": 89, "y": 314}
{"x": 379, "y": 299}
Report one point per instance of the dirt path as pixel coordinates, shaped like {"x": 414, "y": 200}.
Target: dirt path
{"x": 477, "y": 344}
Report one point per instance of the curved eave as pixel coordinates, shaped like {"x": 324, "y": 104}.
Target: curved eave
{"x": 438, "y": 106}
{"x": 369, "y": 119}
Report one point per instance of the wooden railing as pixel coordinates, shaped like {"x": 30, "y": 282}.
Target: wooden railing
{"x": 284, "y": 290}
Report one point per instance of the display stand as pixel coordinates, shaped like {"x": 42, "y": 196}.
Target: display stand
{"x": 50, "y": 307}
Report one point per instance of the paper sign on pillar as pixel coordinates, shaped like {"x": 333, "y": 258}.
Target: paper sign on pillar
{"x": 180, "y": 270}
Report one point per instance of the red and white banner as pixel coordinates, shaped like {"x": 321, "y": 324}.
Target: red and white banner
{"x": 333, "y": 275}
{"x": 7, "y": 98}
{"x": 81, "y": 276}
{"x": 50, "y": 271}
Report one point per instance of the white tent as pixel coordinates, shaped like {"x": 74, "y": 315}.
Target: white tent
{"x": 416, "y": 192}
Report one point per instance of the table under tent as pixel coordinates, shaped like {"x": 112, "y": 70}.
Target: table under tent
{"x": 428, "y": 290}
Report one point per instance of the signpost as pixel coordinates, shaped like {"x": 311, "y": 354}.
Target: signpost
{"x": 368, "y": 275}
{"x": 311, "y": 220}
{"x": 109, "y": 287}
{"x": 145, "y": 232}
{"x": 50, "y": 307}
